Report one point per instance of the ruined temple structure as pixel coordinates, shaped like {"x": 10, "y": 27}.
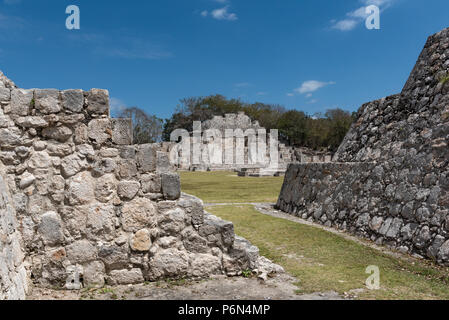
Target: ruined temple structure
{"x": 81, "y": 206}
{"x": 211, "y": 160}
{"x": 389, "y": 180}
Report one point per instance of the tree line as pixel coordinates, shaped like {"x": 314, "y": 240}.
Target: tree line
{"x": 319, "y": 131}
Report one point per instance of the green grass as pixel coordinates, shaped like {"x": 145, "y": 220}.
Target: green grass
{"x": 444, "y": 79}
{"x": 227, "y": 187}
{"x": 321, "y": 261}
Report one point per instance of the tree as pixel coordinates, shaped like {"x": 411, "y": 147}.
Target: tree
{"x": 298, "y": 129}
{"x": 340, "y": 123}
{"x": 292, "y": 127}
{"x": 146, "y": 128}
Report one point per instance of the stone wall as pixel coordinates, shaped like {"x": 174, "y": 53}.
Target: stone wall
{"x": 390, "y": 178}
{"x": 211, "y": 160}
{"x": 13, "y": 276}
{"x": 92, "y": 208}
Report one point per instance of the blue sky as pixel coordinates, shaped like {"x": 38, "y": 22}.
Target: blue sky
{"x": 309, "y": 55}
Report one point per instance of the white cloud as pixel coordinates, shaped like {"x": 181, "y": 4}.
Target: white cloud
{"x": 204, "y": 13}
{"x": 358, "y": 15}
{"x": 223, "y": 14}
{"x": 312, "y": 86}
{"x": 345, "y": 25}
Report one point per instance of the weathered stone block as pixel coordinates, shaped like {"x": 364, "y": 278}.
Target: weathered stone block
{"x": 72, "y": 100}
{"x": 114, "y": 257}
{"x": 122, "y": 131}
{"x": 99, "y": 130}
{"x": 21, "y": 101}
{"x": 94, "y": 273}
{"x": 61, "y": 133}
{"x": 5, "y": 94}
{"x": 124, "y": 277}
{"x": 81, "y": 251}
{"x": 146, "y": 158}
{"x": 172, "y": 222}
{"x": 98, "y": 102}
{"x": 47, "y": 101}
{"x": 171, "y": 186}
{"x": 141, "y": 241}
{"x": 138, "y": 214}
{"x": 170, "y": 263}
{"x": 51, "y": 229}
{"x": 151, "y": 183}
{"x": 128, "y": 189}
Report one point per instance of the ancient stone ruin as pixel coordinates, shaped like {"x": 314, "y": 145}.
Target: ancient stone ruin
{"x": 81, "y": 206}
{"x": 218, "y": 152}
{"x": 389, "y": 181}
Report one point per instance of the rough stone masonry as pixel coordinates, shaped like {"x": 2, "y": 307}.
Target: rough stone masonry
{"x": 81, "y": 206}
{"x": 389, "y": 180}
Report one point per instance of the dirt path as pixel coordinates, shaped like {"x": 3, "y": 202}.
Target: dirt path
{"x": 280, "y": 287}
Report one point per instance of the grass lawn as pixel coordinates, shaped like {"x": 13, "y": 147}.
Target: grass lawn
{"x": 227, "y": 187}
{"x": 321, "y": 261}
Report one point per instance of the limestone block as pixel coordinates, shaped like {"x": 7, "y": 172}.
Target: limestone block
{"x": 51, "y": 229}
{"x": 204, "y": 265}
{"x": 172, "y": 222}
{"x": 193, "y": 242}
{"x": 194, "y": 207}
{"x": 138, "y": 214}
{"x": 100, "y": 222}
{"x": 146, "y": 158}
{"x": 94, "y": 273}
{"x": 47, "y": 101}
{"x": 99, "y": 130}
{"x": 32, "y": 122}
{"x": 72, "y": 100}
{"x": 128, "y": 189}
{"x": 169, "y": 263}
{"x": 122, "y": 131}
{"x": 151, "y": 183}
{"x": 80, "y": 189}
{"x": 10, "y": 137}
{"x": 71, "y": 165}
{"x": 21, "y": 101}
{"x": 171, "y": 186}
{"x": 114, "y": 257}
{"x": 98, "y": 102}
{"x": 163, "y": 163}
{"x": 124, "y": 277}
{"x": 127, "y": 168}
{"x": 81, "y": 251}
{"x": 141, "y": 241}
{"x": 61, "y": 133}
{"x": 105, "y": 188}
{"x": 5, "y": 94}
{"x": 217, "y": 231}
{"x": 80, "y": 133}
